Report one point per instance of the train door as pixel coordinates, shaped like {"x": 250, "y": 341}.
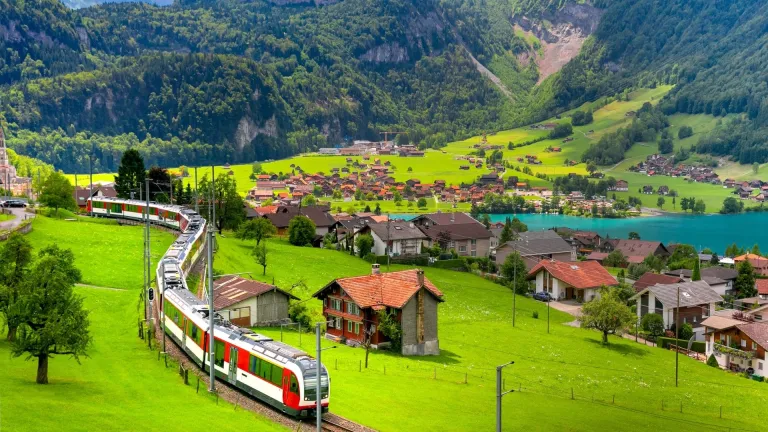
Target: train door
{"x": 233, "y": 364}
{"x": 290, "y": 388}
{"x": 184, "y": 333}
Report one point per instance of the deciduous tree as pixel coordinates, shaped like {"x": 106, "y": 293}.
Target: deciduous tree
{"x": 256, "y": 229}
{"x": 364, "y": 244}
{"x": 608, "y": 314}
{"x": 515, "y": 272}
{"x": 615, "y": 259}
{"x": 16, "y": 256}
{"x": 57, "y": 192}
{"x": 301, "y": 231}
{"x": 260, "y": 254}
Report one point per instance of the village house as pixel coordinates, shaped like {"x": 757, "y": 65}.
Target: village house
{"x": 352, "y": 308}
{"x": 580, "y": 280}
{"x": 635, "y": 248}
{"x": 319, "y": 215}
{"x": 82, "y": 194}
{"x": 394, "y": 238}
{"x": 718, "y": 278}
{"x": 697, "y": 302}
{"x": 621, "y": 186}
{"x": 250, "y": 303}
{"x": 464, "y": 234}
{"x": 737, "y": 344}
{"x": 534, "y": 246}
{"x": 651, "y": 278}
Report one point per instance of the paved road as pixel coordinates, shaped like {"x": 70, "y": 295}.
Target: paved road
{"x": 13, "y": 223}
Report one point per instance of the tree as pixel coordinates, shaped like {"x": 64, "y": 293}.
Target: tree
{"x": 608, "y": 314}
{"x": 390, "y": 327}
{"x": 301, "y": 231}
{"x": 634, "y": 235}
{"x": 755, "y": 168}
{"x": 364, "y": 244}
{"x": 377, "y": 210}
{"x": 485, "y": 219}
{"x": 654, "y": 262}
{"x": 260, "y": 254}
{"x": 696, "y": 275}
{"x": 230, "y": 207}
{"x": 16, "y": 256}
{"x": 57, "y": 192}
{"x": 443, "y": 240}
{"x": 421, "y": 203}
{"x": 337, "y": 194}
{"x": 518, "y": 225}
{"x": 685, "y": 132}
{"x": 685, "y": 332}
{"x": 712, "y": 361}
{"x": 756, "y": 249}
{"x": 684, "y": 256}
{"x": 700, "y": 207}
{"x": 666, "y": 146}
{"x": 130, "y": 175}
{"x": 52, "y": 318}
{"x": 637, "y": 270}
{"x": 615, "y": 259}
{"x": 715, "y": 260}
{"x": 309, "y": 200}
{"x": 745, "y": 280}
{"x": 398, "y": 198}
{"x": 660, "y": 202}
{"x": 514, "y": 265}
{"x": 256, "y": 229}
{"x": 653, "y": 323}
{"x": 732, "y": 205}
{"x": 159, "y": 184}
{"x": 256, "y": 168}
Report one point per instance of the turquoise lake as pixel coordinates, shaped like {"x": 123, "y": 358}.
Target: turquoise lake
{"x": 712, "y": 231}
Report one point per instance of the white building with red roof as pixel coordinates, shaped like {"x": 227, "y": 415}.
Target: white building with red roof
{"x": 352, "y": 308}
{"x": 576, "y": 280}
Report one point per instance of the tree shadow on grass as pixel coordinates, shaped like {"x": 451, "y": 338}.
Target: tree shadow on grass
{"x": 620, "y": 348}
{"x": 445, "y": 358}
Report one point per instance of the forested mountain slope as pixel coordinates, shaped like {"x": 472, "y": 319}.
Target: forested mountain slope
{"x": 714, "y": 52}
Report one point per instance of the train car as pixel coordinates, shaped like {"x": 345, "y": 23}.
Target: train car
{"x": 273, "y": 372}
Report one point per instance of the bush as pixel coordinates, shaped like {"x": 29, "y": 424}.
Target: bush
{"x": 535, "y": 315}
{"x": 686, "y": 331}
{"x": 451, "y": 264}
{"x": 712, "y": 361}
{"x": 299, "y": 313}
{"x": 371, "y": 258}
{"x": 301, "y": 231}
{"x": 653, "y": 324}
{"x": 364, "y": 245}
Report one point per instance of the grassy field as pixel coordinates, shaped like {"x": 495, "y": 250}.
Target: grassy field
{"x": 6, "y": 217}
{"x": 476, "y": 335}
{"x": 121, "y": 385}
{"x": 106, "y": 254}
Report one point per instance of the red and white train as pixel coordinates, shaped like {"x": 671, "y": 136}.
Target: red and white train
{"x": 270, "y": 371}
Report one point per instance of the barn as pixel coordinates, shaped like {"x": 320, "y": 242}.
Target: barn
{"x": 249, "y": 303}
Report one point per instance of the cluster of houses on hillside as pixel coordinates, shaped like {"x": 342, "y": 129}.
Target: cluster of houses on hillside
{"x": 362, "y": 147}
{"x": 657, "y": 164}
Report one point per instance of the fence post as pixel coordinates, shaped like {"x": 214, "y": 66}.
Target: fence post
{"x": 721, "y": 411}
{"x": 614, "y": 400}
{"x": 435, "y": 374}
{"x": 385, "y": 372}
{"x": 186, "y": 376}
{"x": 571, "y": 393}
{"x": 198, "y": 385}
{"x": 360, "y": 366}
{"x": 465, "y": 377}
{"x": 337, "y": 364}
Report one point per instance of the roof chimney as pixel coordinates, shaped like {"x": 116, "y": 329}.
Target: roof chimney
{"x": 420, "y": 277}
{"x": 375, "y": 269}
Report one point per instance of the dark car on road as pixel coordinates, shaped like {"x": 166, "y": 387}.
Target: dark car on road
{"x": 543, "y": 296}
{"x": 14, "y": 203}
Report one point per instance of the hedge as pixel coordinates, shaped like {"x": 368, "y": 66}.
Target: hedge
{"x": 449, "y": 264}
{"x": 698, "y": 346}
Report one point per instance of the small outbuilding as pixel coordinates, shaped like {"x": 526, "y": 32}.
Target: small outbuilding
{"x": 249, "y": 303}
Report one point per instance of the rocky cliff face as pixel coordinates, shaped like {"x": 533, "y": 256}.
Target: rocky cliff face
{"x": 420, "y": 29}
{"x": 561, "y": 33}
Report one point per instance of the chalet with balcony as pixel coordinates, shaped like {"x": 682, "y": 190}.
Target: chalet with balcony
{"x": 353, "y": 306}
{"x": 696, "y": 303}
{"x": 737, "y": 344}
{"x": 460, "y": 231}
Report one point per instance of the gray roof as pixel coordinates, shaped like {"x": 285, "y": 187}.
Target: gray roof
{"x": 396, "y": 231}
{"x": 539, "y": 243}
{"x": 711, "y": 280}
{"x": 691, "y": 294}
{"x": 720, "y": 272}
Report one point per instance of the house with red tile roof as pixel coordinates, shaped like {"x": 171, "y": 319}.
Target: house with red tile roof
{"x": 576, "y": 280}
{"x": 352, "y": 308}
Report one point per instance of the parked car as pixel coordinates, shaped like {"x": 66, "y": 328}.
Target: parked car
{"x": 14, "y": 203}
{"x": 543, "y": 296}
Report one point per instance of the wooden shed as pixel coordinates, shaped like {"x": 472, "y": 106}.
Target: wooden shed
{"x": 249, "y": 303}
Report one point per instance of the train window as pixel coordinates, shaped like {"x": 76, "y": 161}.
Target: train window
{"x": 253, "y": 365}
{"x": 277, "y": 375}
{"x": 265, "y": 369}
{"x": 294, "y": 384}
{"x": 219, "y": 354}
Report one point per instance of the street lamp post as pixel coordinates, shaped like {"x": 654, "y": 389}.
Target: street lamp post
{"x": 499, "y": 394}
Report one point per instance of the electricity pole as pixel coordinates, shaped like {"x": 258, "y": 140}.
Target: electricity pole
{"x": 211, "y": 345}
{"x": 499, "y": 394}
{"x": 318, "y": 388}
{"x": 197, "y": 202}
{"x": 213, "y": 202}
{"x": 677, "y": 335}
{"x": 147, "y": 254}
{"x": 514, "y": 290}
{"x": 90, "y": 170}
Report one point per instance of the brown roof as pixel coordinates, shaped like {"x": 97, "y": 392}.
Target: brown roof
{"x": 650, "y": 278}
{"x": 386, "y": 289}
{"x": 637, "y": 247}
{"x": 450, "y": 218}
{"x": 465, "y": 231}
{"x": 578, "y": 274}
{"x": 230, "y": 290}
{"x": 757, "y": 331}
{"x": 720, "y": 322}
{"x": 762, "y": 286}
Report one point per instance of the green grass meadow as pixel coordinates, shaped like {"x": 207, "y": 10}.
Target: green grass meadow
{"x": 476, "y": 334}
{"x": 107, "y": 255}
{"x": 121, "y": 386}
